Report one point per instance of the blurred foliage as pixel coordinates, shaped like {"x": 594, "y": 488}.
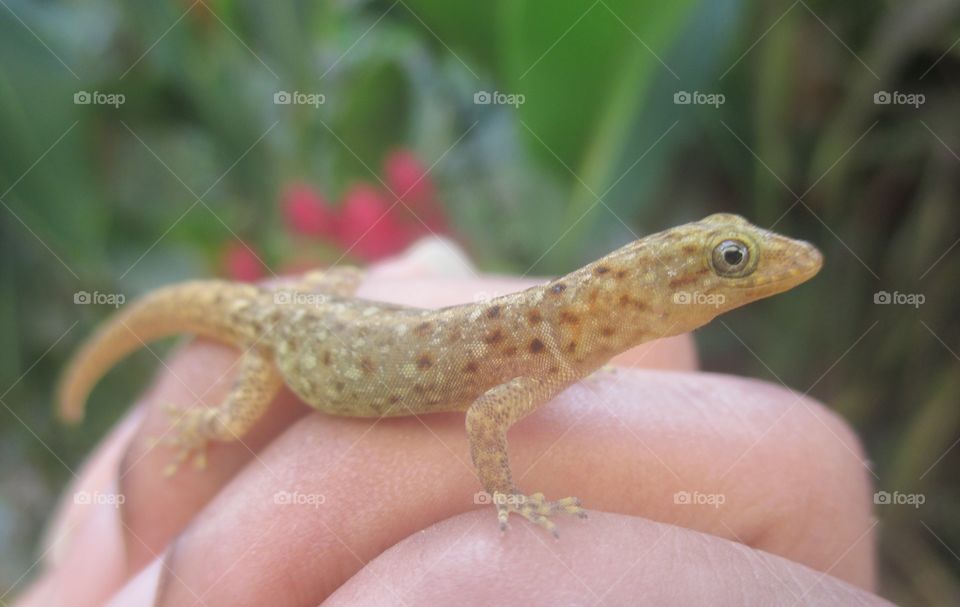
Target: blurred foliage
{"x": 120, "y": 199}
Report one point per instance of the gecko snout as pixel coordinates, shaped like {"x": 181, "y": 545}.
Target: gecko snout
{"x": 805, "y": 259}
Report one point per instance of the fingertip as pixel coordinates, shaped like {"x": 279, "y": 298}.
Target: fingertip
{"x": 433, "y": 256}
{"x": 616, "y": 559}
{"x": 98, "y": 472}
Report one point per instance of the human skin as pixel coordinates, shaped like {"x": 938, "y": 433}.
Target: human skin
{"x": 388, "y": 512}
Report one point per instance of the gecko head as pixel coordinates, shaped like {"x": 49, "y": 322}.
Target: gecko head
{"x": 734, "y": 263}
{"x": 747, "y": 263}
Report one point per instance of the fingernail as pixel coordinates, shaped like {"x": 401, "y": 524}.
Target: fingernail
{"x": 142, "y": 589}
{"x": 441, "y": 256}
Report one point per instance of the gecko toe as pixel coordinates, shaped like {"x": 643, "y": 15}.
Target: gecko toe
{"x": 571, "y": 505}
{"x": 536, "y": 509}
{"x": 187, "y": 438}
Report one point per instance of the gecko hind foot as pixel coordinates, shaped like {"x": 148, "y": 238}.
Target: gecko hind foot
{"x": 536, "y": 509}
{"x": 187, "y": 437}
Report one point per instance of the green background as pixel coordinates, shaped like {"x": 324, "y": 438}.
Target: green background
{"x": 598, "y": 152}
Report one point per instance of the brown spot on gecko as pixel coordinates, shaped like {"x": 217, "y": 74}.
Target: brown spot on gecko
{"x": 338, "y": 386}
{"x": 494, "y": 337}
{"x": 424, "y": 361}
{"x": 493, "y": 312}
{"x": 625, "y": 300}
{"x": 534, "y": 316}
{"x": 394, "y": 399}
{"x": 607, "y": 331}
{"x": 681, "y": 281}
{"x": 621, "y": 274}
{"x": 567, "y": 317}
{"x": 600, "y": 270}
{"x": 511, "y": 351}
{"x": 422, "y": 329}
{"x": 536, "y": 346}
{"x": 470, "y": 367}
{"x": 571, "y": 347}
{"x": 326, "y": 358}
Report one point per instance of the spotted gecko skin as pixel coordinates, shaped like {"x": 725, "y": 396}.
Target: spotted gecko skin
{"x": 497, "y": 360}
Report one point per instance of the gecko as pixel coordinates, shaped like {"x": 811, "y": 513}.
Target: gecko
{"x": 496, "y": 360}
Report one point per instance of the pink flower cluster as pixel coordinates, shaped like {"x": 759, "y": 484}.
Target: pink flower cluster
{"x": 369, "y": 224}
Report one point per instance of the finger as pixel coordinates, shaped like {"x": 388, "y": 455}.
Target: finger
{"x": 158, "y": 506}
{"x": 96, "y": 476}
{"x": 85, "y": 517}
{"x": 617, "y": 560}
{"x": 336, "y": 492}
{"x": 89, "y": 548}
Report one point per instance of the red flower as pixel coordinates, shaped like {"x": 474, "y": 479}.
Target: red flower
{"x": 368, "y": 224}
{"x": 241, "y": 263}
{"x": 408, "y": 178}
{"x": 307, "y": 212}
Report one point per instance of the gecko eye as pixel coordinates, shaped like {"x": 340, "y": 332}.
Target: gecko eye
{"x": 731, "y": 258}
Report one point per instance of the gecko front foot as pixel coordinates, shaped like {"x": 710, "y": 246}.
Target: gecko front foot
{"x": 189, "y": 436}
{"x": 535, "y": 508}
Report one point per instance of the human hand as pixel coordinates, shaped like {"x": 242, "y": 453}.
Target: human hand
{"x": 701, "y": 488}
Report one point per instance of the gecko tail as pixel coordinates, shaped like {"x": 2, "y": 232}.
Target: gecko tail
{"x": 197, "y": 307}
